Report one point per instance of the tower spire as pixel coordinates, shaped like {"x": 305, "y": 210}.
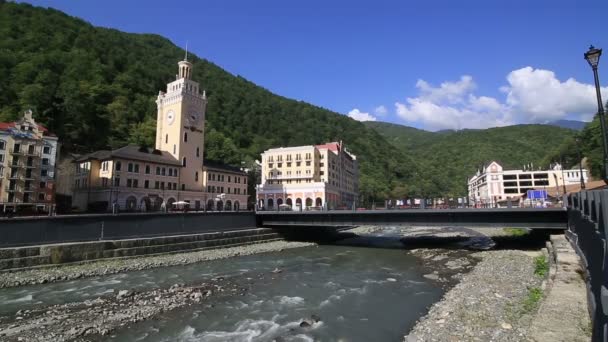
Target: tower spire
{"x": 186, "y": 57}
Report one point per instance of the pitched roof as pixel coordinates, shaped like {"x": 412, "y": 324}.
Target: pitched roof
{"x": 133, "y": 152}
{"x": 212, "y": 164}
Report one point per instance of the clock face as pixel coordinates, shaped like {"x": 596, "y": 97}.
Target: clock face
{"x": 170, "y": 117}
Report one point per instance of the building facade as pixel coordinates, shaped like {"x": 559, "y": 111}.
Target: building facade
{"x": 493, "y": 184}
{"x": 28, "y": 152}
{"x": 134, "y": 178}
{"x": 305, "y": 177}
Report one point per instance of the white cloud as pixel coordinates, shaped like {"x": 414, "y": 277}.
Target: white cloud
{"x": 380, "y": 111}
{"x": 360, "y": 116}
{"x": 537, "y": 95}
{"x": 531, "y": 96}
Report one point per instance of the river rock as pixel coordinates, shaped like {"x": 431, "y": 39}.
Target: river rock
{"x": 124, "y": 294}
{"x": 315, "y": 318}
{"x": 305, "y": 324}
{"x": 431, "y": 276}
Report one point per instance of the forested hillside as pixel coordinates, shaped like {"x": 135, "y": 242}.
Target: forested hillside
{"x": 95, "y": 88}
{"x": 448, "y": 158}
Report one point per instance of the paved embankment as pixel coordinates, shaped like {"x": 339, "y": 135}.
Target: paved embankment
{"x": 499, "y": 300}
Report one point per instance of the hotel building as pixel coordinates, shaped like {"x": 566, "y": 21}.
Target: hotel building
{"x": 27, "y": 165}
{"x": 303, "y": 177}
{"x": 148, "y": 179}
{"x": 493, "y": 183}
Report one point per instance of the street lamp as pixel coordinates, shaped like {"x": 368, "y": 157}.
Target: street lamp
{"x": 593, "y": 58}
{"x": 580, "y": 161}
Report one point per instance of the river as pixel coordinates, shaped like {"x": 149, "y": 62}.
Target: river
{"x": 372, "y": 293}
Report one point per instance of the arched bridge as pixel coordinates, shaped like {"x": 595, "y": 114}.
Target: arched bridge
{"x": 532, "y": 218}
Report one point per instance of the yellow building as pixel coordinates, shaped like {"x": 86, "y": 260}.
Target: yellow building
{"x": 27, "y": 165}
{"x": 306, "y": 177}
{"x": 137, "y": 178}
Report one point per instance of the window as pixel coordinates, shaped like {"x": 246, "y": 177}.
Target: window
{"x": 167, "y": 139}
{"x": 270, "y": 165}
{"x": 174, "y": 149}
{"x": 2, "y": 144}
{"x": 41, "y": 196}
{"x": 146, "y": 184}
{"x": 308, "y": 163}
{"x": 136, "y": 169}
{"x": 162, "y": 185}
{"x": 135, "y": 183}
{"x": 130, "y": 167}
{"x": 1, "y": 158}
{"x": 44, "y": 172}
{"x": 170, "y": 172}
{"x": 197, "y": 152}
{"x": 156, "y": 185}
{"x": 163, "y": 171}
{"x": 118, "y": 166}
{"x": 228, "y": 179}
{"x": 45, "y": 149}
{"x": 129, "y": 183}
{"x": 208, "y": 176}
{"x": 196, "y": 176}
{"x": 117, "y": 181}
{"x": 104, "y": 182}
{"x": 42, "y": 185}
{"x": 288, "y": 164}
{"x": 158, "y": 171}
{"x": 280, "y": 165}
{"x": 183, "y": 187}
{"x": 185, "y": 136}
{"x": 298, "y": 163}
{"x": 147, "y": 169}
{"x": 228, "y": 190}
{"x": 184, "y": 162}
{"x": 321, "y": 164}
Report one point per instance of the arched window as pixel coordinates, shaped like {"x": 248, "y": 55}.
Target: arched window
{"x": 185, "y": 136}
{"x": 197, "y": 152}
{"x": 184, "y": 161}
{"x": 118, "y": 165}
{"x": 158, "y": 171}
{"x": 147, "y": 169}
{"x": 196, "y": 176}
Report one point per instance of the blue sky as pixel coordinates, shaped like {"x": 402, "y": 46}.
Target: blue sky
{"x": 429, "y": 64}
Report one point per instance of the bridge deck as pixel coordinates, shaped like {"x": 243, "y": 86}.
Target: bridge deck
{"x": 533, "y": 218}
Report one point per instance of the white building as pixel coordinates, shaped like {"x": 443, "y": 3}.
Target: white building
{"x": 308, "y": 176}
{"x": 493, "y": 184}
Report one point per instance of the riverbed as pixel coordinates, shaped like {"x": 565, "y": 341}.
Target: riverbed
{"x": 326, "y": 292}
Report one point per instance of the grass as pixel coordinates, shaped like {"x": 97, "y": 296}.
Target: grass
{"x": 516, "y": 231}
{"x": 535, "y": 294}
{"x": 541, "y": 266}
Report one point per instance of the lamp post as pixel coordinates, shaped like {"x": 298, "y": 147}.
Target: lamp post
{"x": 580, "y": 162}
{"x": 593, "y": 58}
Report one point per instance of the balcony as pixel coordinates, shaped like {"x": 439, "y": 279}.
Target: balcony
{"x": 29, "y": 176}
{"x": 9, "y": 188}
{"x": 17, "y": 151}
{"x": 278, "y": 177}
{"x": 32, "y": 165}
{"x": 15, "y": 176}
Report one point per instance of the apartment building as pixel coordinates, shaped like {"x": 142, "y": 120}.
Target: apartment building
{"x": 135, "y": 178}
{"x": 303, "y": 177}
{"x": 493, "y": 183}
{"x": 27, "y": 165}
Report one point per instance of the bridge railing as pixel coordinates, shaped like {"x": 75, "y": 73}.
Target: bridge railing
{"x": 588, "y": 230}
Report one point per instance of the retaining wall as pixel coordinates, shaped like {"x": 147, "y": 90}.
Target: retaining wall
{"x": 60, "y": 229}
{"x": 23, "y": 257}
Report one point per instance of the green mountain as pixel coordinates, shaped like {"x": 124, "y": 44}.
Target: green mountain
{"x": 448, "y": 158}
{"x": 95, "y": 88}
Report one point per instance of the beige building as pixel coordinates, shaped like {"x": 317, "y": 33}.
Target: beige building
{"x": 493, "y": 184}
{"x": 137, "y": 178}
{"x": 27, "y": 165}
{"x": 305, "y": 177}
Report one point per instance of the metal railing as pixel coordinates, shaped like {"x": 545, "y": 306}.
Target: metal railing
{"x": 588, "y": 232}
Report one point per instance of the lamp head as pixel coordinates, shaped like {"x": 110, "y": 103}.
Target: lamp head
{"x": 593, "y": 56}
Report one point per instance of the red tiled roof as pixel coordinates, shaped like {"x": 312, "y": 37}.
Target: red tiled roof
{"x": 6, "y": 125}
{"x": 332, "y": 146}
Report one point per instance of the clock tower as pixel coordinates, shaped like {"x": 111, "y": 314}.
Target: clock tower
{"x": 180, "y": 125}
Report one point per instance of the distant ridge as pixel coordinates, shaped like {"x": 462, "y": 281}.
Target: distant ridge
{"x": 571, "y": 124}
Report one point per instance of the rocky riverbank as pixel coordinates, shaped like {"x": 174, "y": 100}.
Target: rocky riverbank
{"x": 50, "y": 274}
